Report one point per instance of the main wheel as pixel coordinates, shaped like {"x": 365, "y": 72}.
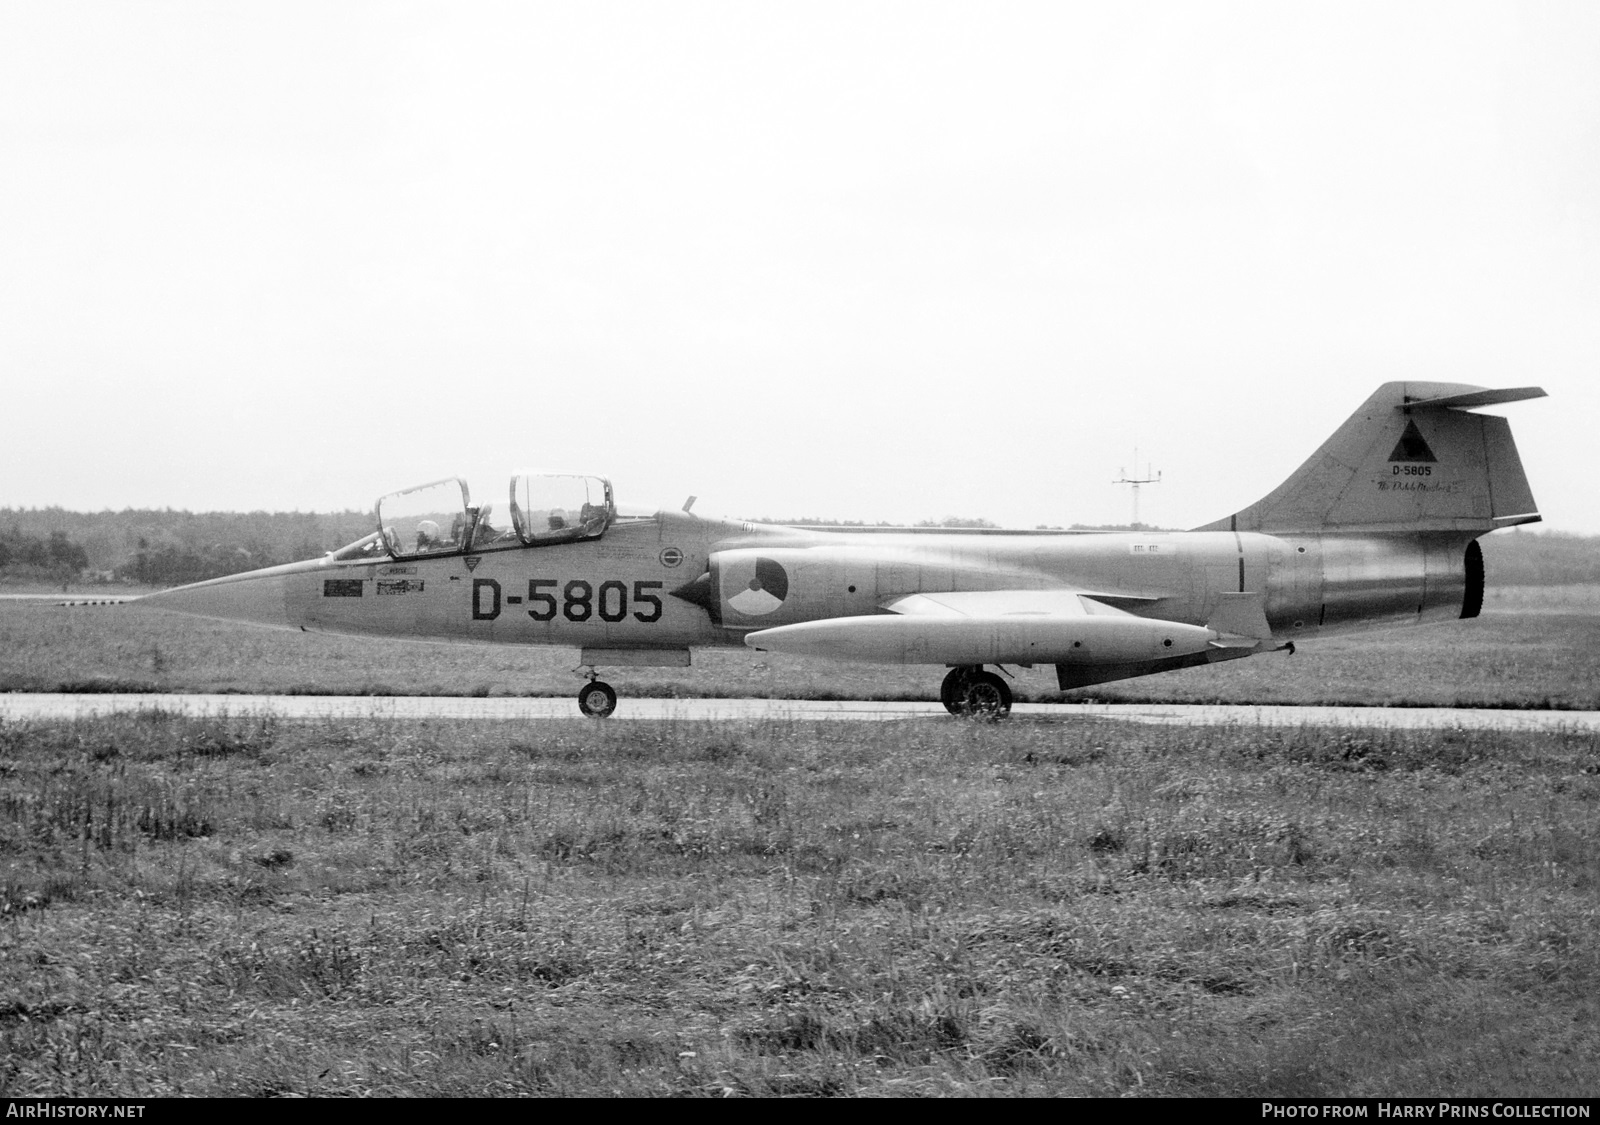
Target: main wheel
{"x": 597, "y": 700}
{"x": 953, "y": 692}
{"x": 987, "y": 697}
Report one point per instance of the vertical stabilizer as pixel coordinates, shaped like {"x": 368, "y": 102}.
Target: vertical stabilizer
{"x": 1411, "y": 458}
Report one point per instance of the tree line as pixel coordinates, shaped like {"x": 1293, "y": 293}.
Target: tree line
{"x": 50, "y": 555}
{"x": 162, "y": 547}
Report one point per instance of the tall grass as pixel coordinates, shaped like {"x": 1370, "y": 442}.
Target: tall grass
{"x": 250, "y": 907}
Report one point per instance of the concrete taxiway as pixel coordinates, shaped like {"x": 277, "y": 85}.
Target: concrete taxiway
{"x": 22, "y": 707}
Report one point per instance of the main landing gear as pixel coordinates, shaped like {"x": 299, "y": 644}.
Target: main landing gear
{"x": 969, "y": 691}
{"x": 597, "y": 699}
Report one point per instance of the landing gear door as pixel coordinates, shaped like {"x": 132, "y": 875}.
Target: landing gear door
{"x": 429, "y": 520}
{"x": 560, "y": 507}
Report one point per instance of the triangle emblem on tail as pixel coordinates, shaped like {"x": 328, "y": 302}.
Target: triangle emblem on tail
{"x": 1412, "y": 447}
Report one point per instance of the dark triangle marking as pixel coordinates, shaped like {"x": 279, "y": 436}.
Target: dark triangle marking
{"x": 1413, "y": 447}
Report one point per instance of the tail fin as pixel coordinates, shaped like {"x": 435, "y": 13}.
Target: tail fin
{"x": 1410, "y": 458}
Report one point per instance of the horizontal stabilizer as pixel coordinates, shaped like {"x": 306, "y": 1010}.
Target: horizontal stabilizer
{"x": 1477, "y": 398}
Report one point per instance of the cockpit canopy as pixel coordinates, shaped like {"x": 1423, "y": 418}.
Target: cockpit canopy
{"x": 440, "y": 519}
{"x": 555, "y": 508}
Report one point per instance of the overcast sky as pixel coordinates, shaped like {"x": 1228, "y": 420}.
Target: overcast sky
{"x": 866, "y": 261}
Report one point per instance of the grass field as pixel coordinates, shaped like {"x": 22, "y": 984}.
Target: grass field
{"x": 929, "y": 907}
{"x": 1533, "y": 647}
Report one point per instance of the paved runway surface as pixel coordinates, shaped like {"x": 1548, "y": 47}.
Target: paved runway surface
{"x": 23, "y": 706}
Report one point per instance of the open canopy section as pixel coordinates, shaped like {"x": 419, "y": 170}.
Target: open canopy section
{"x": 560, "y": 507}
{"x": 430, "y": 519}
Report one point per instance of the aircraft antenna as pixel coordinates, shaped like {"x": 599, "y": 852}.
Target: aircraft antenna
{"x": 1135, "y": 481}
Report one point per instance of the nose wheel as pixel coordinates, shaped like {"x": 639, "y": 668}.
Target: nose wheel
{"x": 970, "y": 692}
{"x": 597, "y": 700}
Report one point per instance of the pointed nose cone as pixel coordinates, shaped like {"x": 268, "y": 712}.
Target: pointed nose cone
{"x": 260, "y": 597}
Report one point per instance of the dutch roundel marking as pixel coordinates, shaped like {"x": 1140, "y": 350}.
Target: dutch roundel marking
{"x": 671, "y": 556}
{"x": 764, "y": 592}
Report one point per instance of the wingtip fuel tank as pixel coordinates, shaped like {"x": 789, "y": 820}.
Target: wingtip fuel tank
{"x": 1018, "y": 639}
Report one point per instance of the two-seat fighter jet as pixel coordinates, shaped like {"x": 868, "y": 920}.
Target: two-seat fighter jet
{"x": 1379, "y": 527}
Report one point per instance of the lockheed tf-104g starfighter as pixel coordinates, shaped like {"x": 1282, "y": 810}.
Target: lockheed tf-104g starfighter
{"x": 1379, "y": 527}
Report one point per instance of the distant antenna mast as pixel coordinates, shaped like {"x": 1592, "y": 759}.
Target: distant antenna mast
{"x": 1136, "y": 481}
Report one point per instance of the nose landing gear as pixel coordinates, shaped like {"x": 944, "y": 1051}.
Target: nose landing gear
{"x": 597, "y": 699}
{"x": 970, "y": 692}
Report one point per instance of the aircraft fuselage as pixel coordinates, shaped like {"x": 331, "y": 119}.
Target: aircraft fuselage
{"x": 617, "y": 593}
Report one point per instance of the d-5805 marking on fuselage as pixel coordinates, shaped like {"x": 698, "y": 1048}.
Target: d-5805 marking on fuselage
{"x": 1378, "y": 527}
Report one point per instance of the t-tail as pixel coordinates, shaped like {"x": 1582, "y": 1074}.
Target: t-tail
{"x": 1411, "y": 459}
{"x": 1387, "y": 512}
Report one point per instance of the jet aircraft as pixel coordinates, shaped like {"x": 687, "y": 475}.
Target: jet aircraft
{"x": 1378, "y": 527}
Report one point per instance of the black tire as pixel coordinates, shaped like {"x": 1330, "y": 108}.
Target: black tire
{"x": 597, "y": 700}
{"x": 987, "y": 697}
{"x": 953, "y": 692}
